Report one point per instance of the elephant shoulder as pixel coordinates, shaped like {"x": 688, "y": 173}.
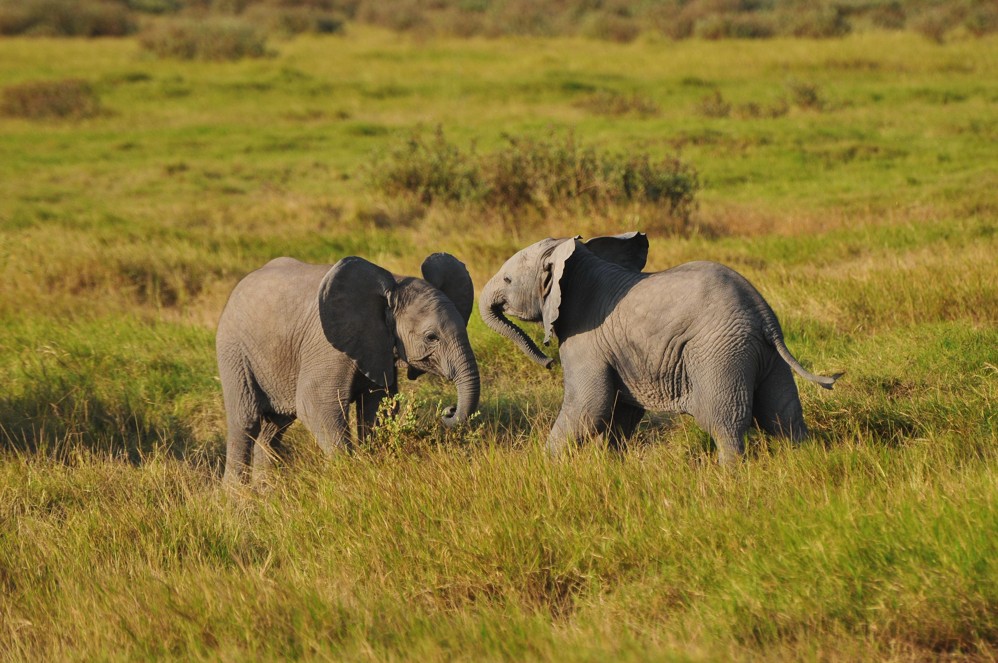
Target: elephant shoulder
{"x": 281, "y": 282}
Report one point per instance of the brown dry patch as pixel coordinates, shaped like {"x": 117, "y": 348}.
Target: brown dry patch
{"x": 721, "y": 219}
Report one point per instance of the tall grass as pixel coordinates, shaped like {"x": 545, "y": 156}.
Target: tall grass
{"x": 499, "y": 553}
{"x": 851, "y": 181}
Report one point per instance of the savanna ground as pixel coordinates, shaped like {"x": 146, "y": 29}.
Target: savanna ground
{"x": 852, "y": 180}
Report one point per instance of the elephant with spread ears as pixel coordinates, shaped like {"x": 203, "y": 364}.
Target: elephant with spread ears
{"x": 306, "y": 341}
{"x": 697, "y": 338}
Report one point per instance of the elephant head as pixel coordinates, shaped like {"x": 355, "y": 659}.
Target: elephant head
{"x": 373, "y": 317}
{"x": 528, "y": 285}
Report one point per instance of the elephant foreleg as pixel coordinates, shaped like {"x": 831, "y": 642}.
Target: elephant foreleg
{"x": 587, "y": 408}
{"x": 368, "y": 406}
{"x": 326, "y": 418}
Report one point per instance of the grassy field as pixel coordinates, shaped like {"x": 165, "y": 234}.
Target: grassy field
{"x": 853, "y": 181}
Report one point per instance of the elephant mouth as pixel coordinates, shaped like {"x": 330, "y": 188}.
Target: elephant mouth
{"x": 507, "y": 310}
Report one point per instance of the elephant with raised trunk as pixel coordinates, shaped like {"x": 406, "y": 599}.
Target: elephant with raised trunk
{"x": 305, "y": 341}
{"x": 697, "y": 339}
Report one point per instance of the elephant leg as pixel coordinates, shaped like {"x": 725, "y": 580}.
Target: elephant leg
{"x": 588, "y": 405}
{"x": 243, "y": 430}
{"x": 623, "y": 420}
{"x": 776, "y": 405}
{"x": 325, "y": 415}
{"x": 268, "y": 446}
{"x": 242, "y": 416}
{"x": 368, "y": 405}
{"x": 724, "y": 410}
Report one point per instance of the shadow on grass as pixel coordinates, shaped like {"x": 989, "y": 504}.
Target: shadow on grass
{"x": 58, "y": 425}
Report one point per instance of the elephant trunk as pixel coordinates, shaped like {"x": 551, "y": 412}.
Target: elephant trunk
{"x": 492, "y": 305}
{"x": 468, "y": 389}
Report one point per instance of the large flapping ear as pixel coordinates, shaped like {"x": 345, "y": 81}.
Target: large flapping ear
{"x": 551, "y": 272}
{"x": 355, "y": 316}
{"x": 629, "y": 250}
{"x": 449, "y": 275}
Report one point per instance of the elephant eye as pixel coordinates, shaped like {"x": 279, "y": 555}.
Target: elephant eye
{"x": 507, "y": 279}
{"x": 431, "y": 337}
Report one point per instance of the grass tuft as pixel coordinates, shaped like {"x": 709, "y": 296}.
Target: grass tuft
{"x": 70, "y": 98}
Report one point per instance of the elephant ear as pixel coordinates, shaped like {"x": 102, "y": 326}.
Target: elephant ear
{"x": 629, "y": 250}
{"x": 449, "y": 275}
{"x": 356, "y": 317}
{"x": 552, "y": 271}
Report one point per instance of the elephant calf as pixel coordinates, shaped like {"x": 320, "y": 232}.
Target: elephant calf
{"x": 306, "y": 341}
{"x": 697, "y": 338}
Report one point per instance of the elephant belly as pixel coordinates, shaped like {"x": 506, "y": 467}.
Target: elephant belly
{"x": 654, "y": 378}
{"x": 652, "y": 396}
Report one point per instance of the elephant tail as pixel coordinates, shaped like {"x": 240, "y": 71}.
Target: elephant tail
{"x": 825, "y": 381}
{"x": 775, "y": 334}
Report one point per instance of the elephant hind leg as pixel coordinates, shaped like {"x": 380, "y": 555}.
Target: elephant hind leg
{"x": 726, "y": 414}
{"x": 776, "y": 407}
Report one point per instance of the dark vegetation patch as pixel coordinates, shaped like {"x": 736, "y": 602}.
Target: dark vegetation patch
{"x": 615, "y": 104}
{"x": 70, "y": 98}
{"x": 214, "y": 39}
{"x": 611, "y": 21}
{"x": 803, "y": 95}
{"x": 552, "y": 174}
{"x": 66, "y": 18}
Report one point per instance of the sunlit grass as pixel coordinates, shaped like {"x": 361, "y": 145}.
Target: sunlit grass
{"x": 867, "y": 221}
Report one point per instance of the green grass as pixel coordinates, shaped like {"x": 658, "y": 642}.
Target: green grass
{"x": 868, "y": 221}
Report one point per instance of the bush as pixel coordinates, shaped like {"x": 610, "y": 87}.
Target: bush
{"x": 816, "y": 23}
{"x": 617, "y": 104}
{"x": 545, "y": 175}
{"x": 69, "y": 98}
{"x": 734, "y": 26}
{"x": 211, "y": 39}
{"x": 295, "y": 20}
{"x": 611, "y": 27}
{"x": 714, "y": 105}
{"x": 429, "y": 170}
{"x": 65, "y": 18}
{"x": 805, "y": 95}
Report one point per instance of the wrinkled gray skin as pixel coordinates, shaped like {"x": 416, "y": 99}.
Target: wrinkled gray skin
{"x": 697, "y": 338}
{"x": 306, "y": 341}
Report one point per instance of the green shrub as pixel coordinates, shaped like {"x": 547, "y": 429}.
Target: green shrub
{"x": 68, "y": 98}
{"x": 541, "y": 174}
{"x": 210, "y": 39}
{"x": 65, "y": 18}
{"x": 429, "y": 170}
